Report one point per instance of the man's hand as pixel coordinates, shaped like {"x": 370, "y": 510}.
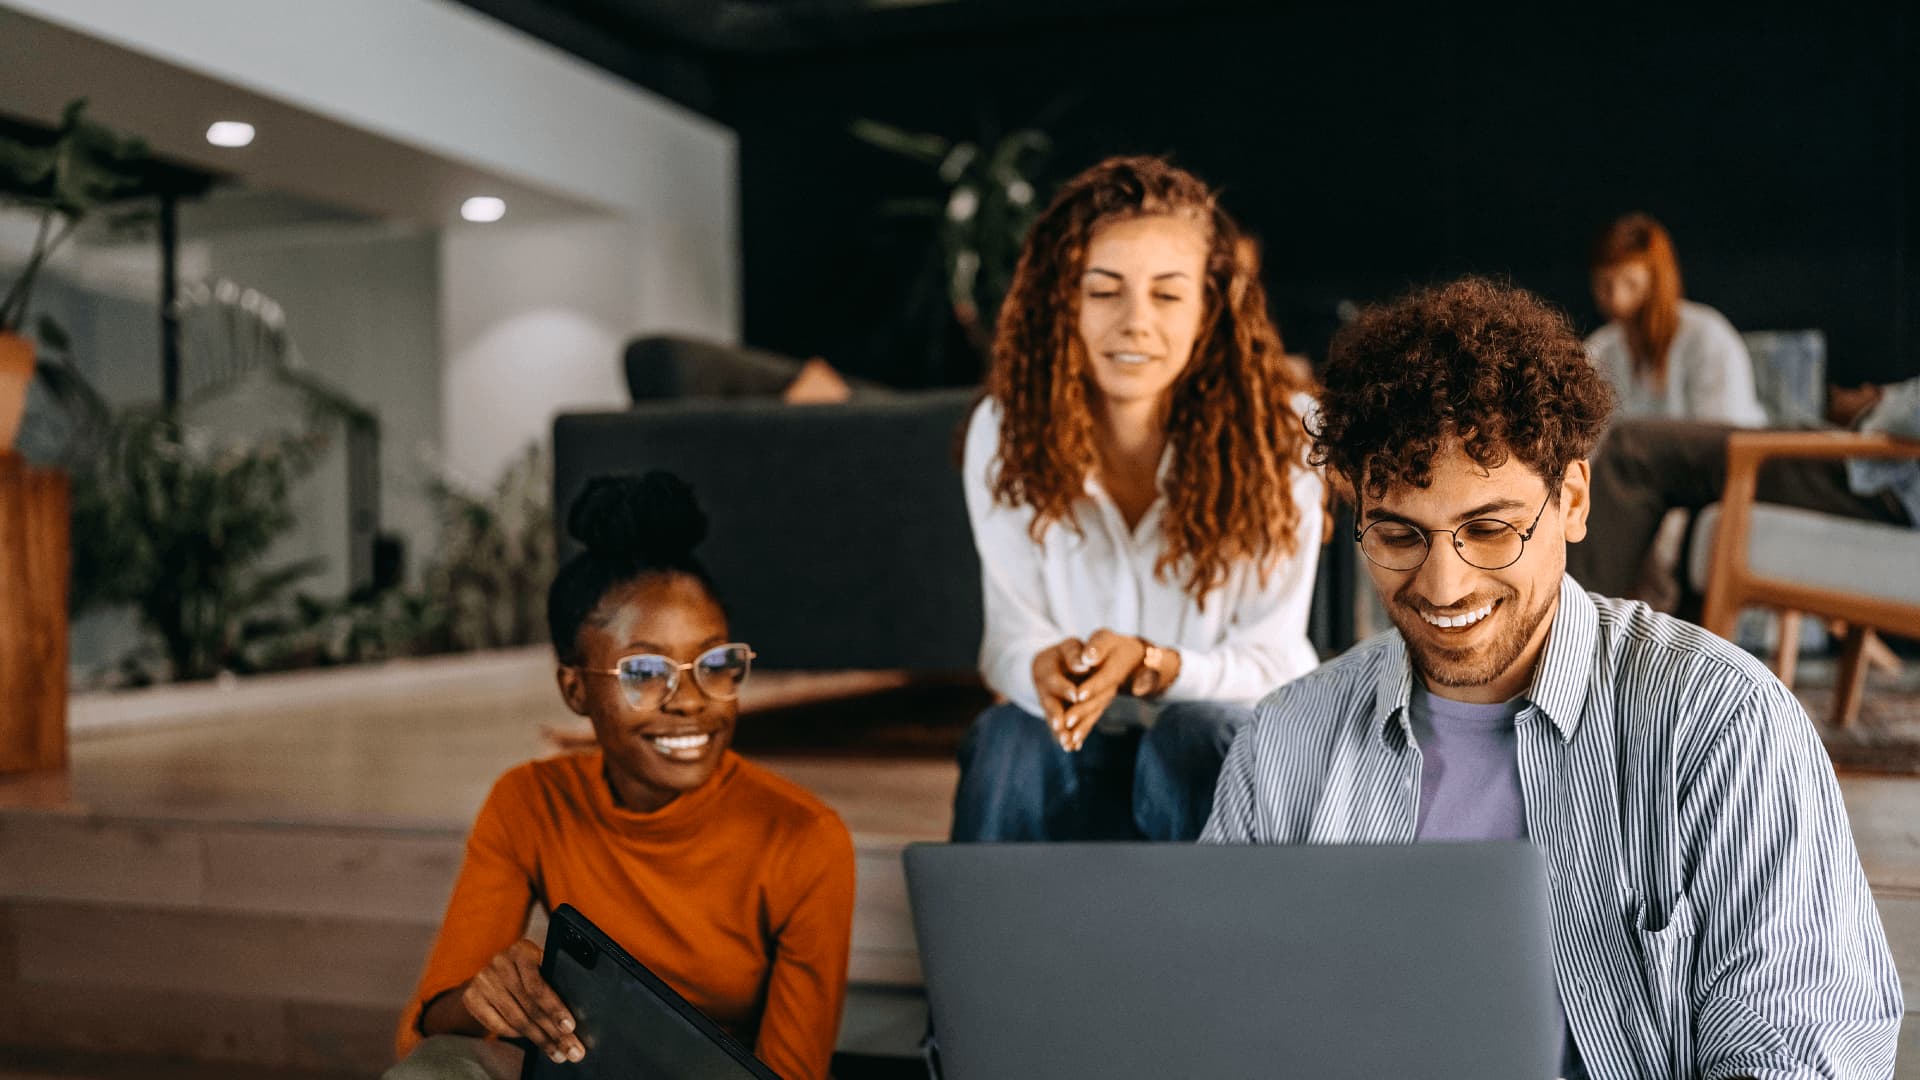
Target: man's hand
{"x": 509, "y": 998}
{"x": 1846, "y": 406}
{"x": 816, "y": 383}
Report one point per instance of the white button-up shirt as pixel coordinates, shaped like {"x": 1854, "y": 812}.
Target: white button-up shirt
{"x": 1709, "y": 372}
{"x": 1251, "y": 637}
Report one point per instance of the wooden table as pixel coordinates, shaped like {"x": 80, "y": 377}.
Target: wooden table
{"x": 35, "y": 558}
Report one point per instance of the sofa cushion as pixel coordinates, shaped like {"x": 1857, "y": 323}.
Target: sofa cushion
{"x": 839, "y": 536}
{"x": 1822, "y": 550}
{"x": 665, "y": 368}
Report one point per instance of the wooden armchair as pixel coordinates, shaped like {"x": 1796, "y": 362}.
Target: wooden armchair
{"x": 1863, "y": 574}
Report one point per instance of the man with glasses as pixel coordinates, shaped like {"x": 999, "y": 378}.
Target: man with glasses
{"x": 1710, "y": 917}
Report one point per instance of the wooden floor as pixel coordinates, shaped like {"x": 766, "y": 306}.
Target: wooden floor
{"x": 249, "y": 811}
{"x": 417, "y": 744}
{"x": 254, "y": 872}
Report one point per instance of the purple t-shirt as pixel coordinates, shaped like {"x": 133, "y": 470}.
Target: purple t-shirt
{"x": 1469, "y": 769}
{"x": 1470, "y": 783}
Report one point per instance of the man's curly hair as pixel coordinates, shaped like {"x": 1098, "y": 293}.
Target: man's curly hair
{"x": 1490, "y": 366}
{"x": 1235, "y": 437}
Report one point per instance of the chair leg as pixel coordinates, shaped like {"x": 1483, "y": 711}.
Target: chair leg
{"x": 1880, "y": 656}
{"x": 1851, "y": 680}
{"x": 1786, "y": 652}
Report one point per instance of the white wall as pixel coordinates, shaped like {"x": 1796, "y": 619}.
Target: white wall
{"x": 362, "y": 306}
{"x": 534, "y": 319}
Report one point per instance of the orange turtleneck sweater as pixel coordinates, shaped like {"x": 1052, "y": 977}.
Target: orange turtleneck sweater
{"x": 739, "y": 894}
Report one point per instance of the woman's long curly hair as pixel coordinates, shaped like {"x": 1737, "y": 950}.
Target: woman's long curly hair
{"x": 1235, "y": 436}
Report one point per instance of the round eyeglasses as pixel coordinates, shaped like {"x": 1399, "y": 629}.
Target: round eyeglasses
{"x": 1486, "y": 543}
{"x": 649, "y": 680}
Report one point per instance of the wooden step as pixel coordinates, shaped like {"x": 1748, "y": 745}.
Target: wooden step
{"x": 291, "y": 946}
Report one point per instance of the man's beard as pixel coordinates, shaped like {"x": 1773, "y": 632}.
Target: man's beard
{"x": 1477, "y": 665}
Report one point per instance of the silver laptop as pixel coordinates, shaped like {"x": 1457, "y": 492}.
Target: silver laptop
{"x": 1172, "y": 960}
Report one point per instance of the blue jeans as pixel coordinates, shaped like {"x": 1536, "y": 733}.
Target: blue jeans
{"x": 1157, "y": 784}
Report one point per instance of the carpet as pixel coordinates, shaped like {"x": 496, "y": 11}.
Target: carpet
{"x": 1886, "y": 737}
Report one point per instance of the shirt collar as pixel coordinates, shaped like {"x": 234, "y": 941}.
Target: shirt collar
{"x": 1393, "y": 693}
{"x": 1559, "y": 687}
{"x": 1566, "y": 665}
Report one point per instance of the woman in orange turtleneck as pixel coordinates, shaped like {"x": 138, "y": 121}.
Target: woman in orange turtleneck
{"x": 733, "y": 885}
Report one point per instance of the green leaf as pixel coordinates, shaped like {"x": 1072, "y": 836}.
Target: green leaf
{"x": 957, "y": 161}
{"x": 931, "y": 149}
{"x": 83, "y": 167}
{"x": 23, "y": 168}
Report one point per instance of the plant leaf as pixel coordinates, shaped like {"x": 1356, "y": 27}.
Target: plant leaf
{"x": 931, "y": 149}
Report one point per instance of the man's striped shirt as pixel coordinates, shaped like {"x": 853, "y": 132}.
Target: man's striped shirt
{"x": 1710, "y": 915}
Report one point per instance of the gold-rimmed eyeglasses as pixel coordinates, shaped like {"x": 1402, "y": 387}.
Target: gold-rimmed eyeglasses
{"x": 1486, "y": 543}
{"x": 649, "y": 679}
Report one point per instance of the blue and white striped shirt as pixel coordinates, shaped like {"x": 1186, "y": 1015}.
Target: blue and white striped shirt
{"x": 1710, "y": 917}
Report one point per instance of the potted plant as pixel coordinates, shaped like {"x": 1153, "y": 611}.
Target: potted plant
{"x": 175, "y": 511}
{"x": 990, "y": 192}
{"x": 61, "y": 181}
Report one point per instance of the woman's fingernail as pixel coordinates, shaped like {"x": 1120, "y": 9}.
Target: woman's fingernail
{"x": 566, "y": 1023}
{"x": 576, "y": 1054}
{"x": 558, "y": 1058}
{"x": 1087, "y": 657}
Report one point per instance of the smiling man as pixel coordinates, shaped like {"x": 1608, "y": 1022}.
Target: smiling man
{"x": 1710, "y": 917}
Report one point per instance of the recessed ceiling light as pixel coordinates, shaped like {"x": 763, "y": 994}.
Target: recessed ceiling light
{"x": 483, "y": 208}
{"x": 230, "y": 133}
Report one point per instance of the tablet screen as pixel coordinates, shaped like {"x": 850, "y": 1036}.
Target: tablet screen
{"x": 633, "y": 1024}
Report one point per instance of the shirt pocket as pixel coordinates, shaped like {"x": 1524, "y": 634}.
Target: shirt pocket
{"x": 1666, "y": 941}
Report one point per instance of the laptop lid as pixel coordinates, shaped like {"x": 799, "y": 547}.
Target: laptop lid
{"x": 1159, "y": 960}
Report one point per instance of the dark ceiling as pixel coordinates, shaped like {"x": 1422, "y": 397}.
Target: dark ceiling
{"x": 680, "y": 48}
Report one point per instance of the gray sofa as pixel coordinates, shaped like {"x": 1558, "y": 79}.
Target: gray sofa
{"x": 839, "y": 537}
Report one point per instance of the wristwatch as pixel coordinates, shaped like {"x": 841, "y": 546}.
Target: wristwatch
{"x": 1153, "y": 671}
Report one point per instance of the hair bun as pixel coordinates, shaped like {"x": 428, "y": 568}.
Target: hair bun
{"x": 652, "y": 517}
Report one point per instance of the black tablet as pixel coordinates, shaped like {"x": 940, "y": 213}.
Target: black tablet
{"x": 633, "y": 1024}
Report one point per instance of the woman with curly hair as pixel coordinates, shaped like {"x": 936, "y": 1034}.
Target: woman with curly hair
{"x": 1146, "y": 522}
{"x": 1665, "y": 355}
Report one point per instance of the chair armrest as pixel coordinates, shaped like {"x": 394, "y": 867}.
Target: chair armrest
{"x": 1748, "y": 448}
{"x": 1746, "y": 452}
